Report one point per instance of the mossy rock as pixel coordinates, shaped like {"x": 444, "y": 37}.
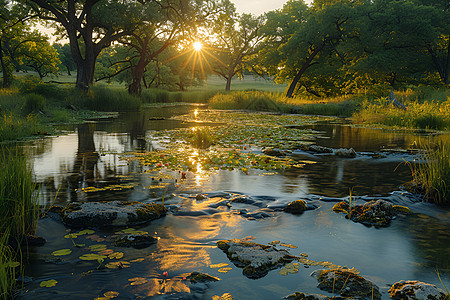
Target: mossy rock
{"x": 255, "y": 259}
{"x": 347, "y": 284}
{"x": 296, "y": 207}
{"x": 303, "y": 296}
{"x": 115, "y": 213}
{"x": 341, "y": 207}
{"x": 416, "y": 290}
{"x": 197, "y": 277}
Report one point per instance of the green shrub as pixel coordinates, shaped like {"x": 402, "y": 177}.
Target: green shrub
{"x": 34, "y": 103}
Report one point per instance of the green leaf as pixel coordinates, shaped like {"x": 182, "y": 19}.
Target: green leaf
{"x": 48, "y": 283}
{"x": 92, "y": 256}
{"x": 61, "y": 252}
{"x": 86, "y": 231}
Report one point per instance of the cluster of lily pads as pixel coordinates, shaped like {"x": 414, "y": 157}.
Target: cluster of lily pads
{"x": 236, "y": 143}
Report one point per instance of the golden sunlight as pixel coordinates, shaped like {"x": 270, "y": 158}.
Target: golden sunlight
{"x": 198, "y": 46}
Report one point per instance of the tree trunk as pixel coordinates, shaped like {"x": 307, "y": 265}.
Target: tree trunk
{"x": 447, "y": 65}
{"x": 6, "y": 81}
{"x": 85, "y": 72}
{"x": 229, "y": 78}
{"x": 137, "y": 73}
{"x": 300, "y": 73}
{"x": 68, "y": 71}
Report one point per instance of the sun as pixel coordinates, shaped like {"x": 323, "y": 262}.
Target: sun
{"x": 198, "y": 46}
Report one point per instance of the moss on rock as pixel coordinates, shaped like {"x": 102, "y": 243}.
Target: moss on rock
{"x": 296, "y": 207}
{"x": 196, "y": 277}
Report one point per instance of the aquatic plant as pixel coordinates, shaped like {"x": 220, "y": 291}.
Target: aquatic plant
{"x": 202, "y": 138}
{"x": 431, "y": 176}
{"x": 18, "y": 204}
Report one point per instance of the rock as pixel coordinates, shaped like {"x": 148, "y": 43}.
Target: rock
{"x": 272, "y": 152}
{"x": 296, "y": 207}
{"x": 255, "y": 259}
{"x": 378, "y": 213}
{"x": 346, "y": 283}
{"x": 316, "y": 149}
{"x": 115, "y": 213}
{"x": 196, "y": 277}
{"x": 415, "y": 290}
{"x": 346, "y": 153}
{"x": 301, "y": 296}
{"x": 137, "y": 241}
{"x": 200, "y": 197}
{"x": 31, "y": 240}
{"x": 401, "y": 209}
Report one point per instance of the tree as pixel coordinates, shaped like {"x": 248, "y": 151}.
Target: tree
{"x": 90, "y": 26}
{"x": 234, "y": 40}
{"x": 298, "y": 37}
{"x": 65, "y": 56}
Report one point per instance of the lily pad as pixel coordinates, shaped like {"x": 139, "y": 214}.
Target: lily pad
{"x": 86, "y": 231}
{"x": 48, "y": 283}
{"x": 221, "y": 265}
{"x": 61, "y": 252}
{"x": 111, "y": 294}
{"x": 137, "y": 280}
{"x": 137, "y": 260}
{"x": 283, "y": 271}
{"x": 224, "y": 270}
{"x": 115, "y": 255}
{"x": 92, "y": 256}
{"x": 98, "y": 247}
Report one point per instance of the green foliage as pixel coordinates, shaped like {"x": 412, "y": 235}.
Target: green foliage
{"x": 100, "y": 98}
{"x": 19, "y": 204}
{"x": 431, "y": 175}
{"x": 421, "y": 114}
{"x": 34, "y": 103}
{"x": 202, "y": 138}
{"x": 7, "y": 270}
{"x": 155, "y": 96}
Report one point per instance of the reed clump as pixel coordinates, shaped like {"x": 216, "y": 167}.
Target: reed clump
{"x": 431, "y": 176}
{"x": 19, "y": 207}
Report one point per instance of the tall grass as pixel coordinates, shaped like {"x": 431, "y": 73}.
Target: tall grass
{"x": 100, "y": 98}
{"x": 431, "y": 175}
{"x": 276, "y": 102}
{"x": 19, "y": 213}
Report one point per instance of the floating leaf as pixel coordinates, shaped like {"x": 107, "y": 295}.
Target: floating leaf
{"x": 137, "y": 281}
{"x": 137, "y": 260}
{"x": 292, "y": 266}
{"x": 96, "y": 238}
{"x": 283, "y": 271}
{"x": 221, "y": 265}
{"x": 115, "y": 255}
{"x": 106, "y": 252}
{"x": 92, "y": 256}
{"x": 274, "y": 243}
{"x": 85, "y": 231}
{"x": 48, "y": 283}
{"x": 117, "y": 265}
{"x": 128, "y": 230}
{"x": 61, "y": 252}
{"x": 224, "y": 270}
{"x": 288, "y": 246}
{"x": 226, "y": 296}
{"x": 292, "y": 271}
{"x": 111, "y": 294}
{"x": 248, "y": 238}
{"x": 71, "y": 236}
{"x": 98, "y": 247}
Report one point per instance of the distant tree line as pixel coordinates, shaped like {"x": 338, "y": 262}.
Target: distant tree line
{"x": 327, "y": 48}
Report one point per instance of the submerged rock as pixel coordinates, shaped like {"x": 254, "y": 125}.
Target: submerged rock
{"x": 346, "y": 283}
{"x": 346, "y": 153}
{"x": 197, "y": 277}
{"x": 415, "y": 290}
{"x": 378, "y": 213}
{"x": 316, "y": 149}
{"x": 273, "y": 152}
{"x": 296, "y": 207}
{"x": 137, "y": 241}
{"x": 255, "y": 259}
{"x": 303, "y": 296}
{"x": 116, "y": 213}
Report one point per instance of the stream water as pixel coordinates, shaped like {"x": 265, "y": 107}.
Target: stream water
{"x": 411, "y": 248}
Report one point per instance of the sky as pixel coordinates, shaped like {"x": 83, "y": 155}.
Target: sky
{"x": 258, "y": 7}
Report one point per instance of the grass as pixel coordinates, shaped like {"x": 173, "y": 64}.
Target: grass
{"x": 19, "y": 207}
{"x": 431, "y": 176}
{"x": 426, "y": 110}
{"x": 277, "y": 102}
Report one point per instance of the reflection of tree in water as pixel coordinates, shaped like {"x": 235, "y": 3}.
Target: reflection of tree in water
{"x": 84, "y": 171}
{"x": 335, "y": 177}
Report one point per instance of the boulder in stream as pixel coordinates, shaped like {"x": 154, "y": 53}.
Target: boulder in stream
{"x": 347, "y": 284}
{"x": 115, "y": 213}
{"x": 346, "y": 153}
{"x": 255, "y": 259}
{"x": 197, "y": 277}
{"x": 415, "y": 290}
{"x": 378, "y": 213}
{"x": 304, "y": 296}
{"x": 296, "y": 207}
